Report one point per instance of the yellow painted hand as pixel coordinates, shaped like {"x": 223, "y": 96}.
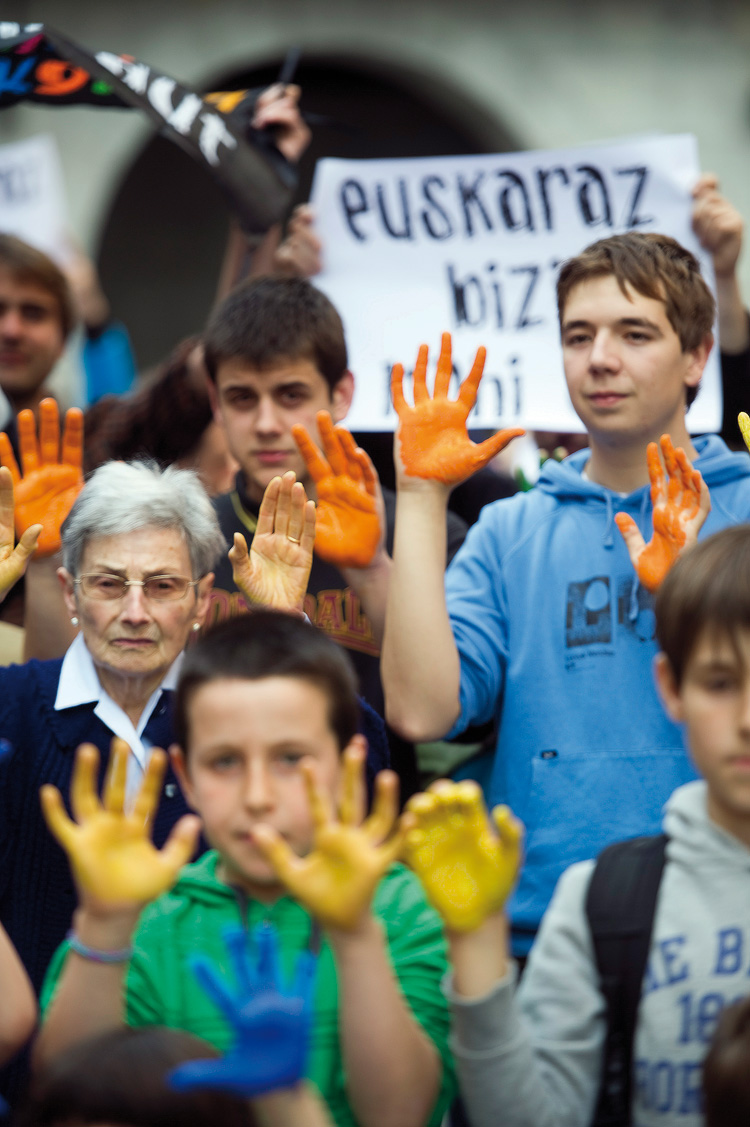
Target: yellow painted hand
{"x": 468, "y": 870}
{"x": 744, "y": 420}
{"x": 432, "y": 437}
{"x": 275, "y": 571}
{"x": 681, "y": 503}
{"x": 114, "y": 862}
{"x": 13, "y": 561}
{"x": 337, "y": 879}
{"x": 52, "y": 474}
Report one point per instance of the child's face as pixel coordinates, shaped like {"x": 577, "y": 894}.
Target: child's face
{"x": 247, "y": 739}
{"x": 713, "y": 702}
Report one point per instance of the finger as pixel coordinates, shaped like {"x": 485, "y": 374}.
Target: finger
{"x": 284, "y": 504}
{"x": 491, "y": 446}
{"x": 280, "y": 857}
{"x": 631, "y": 534}
{"x": 72, "y": 443}
{"x": 352, "y": 455}
{"x": 27, "y": 442}
{"x": 656, "y": 474}
{"x": 689, "y": 486}
{"x": 113, "y": 799}
{"x": 368, "y": 473}
{"x": 352, "y": 805}
{"x": 237, "y": 554}
{"x": 674, "y": 480}
{"x": 704, "y": 507}
{"x": 181, "y": 843}
{"x": 83, "y": 798}
{"x": 330, "y": 437}
{"x": 236, "y": 941}
{"x": 743, "y": 419}
{"x": 297, "y": 502}
{"x": 269, "y": 968}
{"x": 316, "y": 465}
{"x": 420, "y": 376}
{"x": 8, "y": 458}
{"x": 27, "y": 545}
{"x": 401, "y": 406}
{"x": 212, "y": 985}
{"x": 390, "y": 851}
{"x": 149, "y": 792}
{"x": 267, "y": 510}
{"x": 509, "y": 828}
{"x": 307, "y": 538}
{"x": 304, "y": 977}
{"x": 467, "y": 393}
{"x": 385, "y": 807}
{"x": 49, "y": 432}
{"x": 199, "y": 1075}
{"x": 320, "y": 802}
{"x": 444, "y": 368}
{"x": 55, "y": 815}
{"x": 6, "y": 503}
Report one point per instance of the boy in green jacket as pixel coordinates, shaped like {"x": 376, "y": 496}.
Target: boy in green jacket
{"x": 266, "y": 718}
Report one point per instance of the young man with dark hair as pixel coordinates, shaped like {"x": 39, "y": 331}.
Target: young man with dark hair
{"x": 540, "y": 1056}
{"x": 541, "y": 621}
{"x": 267, "y": 710}
{"x": 36, "y": 316}
{"x": 276, "y": 354}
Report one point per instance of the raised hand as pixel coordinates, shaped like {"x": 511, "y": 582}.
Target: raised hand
{"x": 275, "y": 571}
{"x": 432, "y": 435}
{"x": 336, "y": 881}
{"x": 52, "y": 477}
{"x": 113, "y": 860}
{"x": 13, "y": 561}
{"x": 681, "y": 503}
{"x": 467, "y": 869}
{"x": 348, "y": 529}
{"x": 271, "y": 1022}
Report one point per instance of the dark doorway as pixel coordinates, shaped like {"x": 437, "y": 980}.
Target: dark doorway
{"x": 163, "y": 239}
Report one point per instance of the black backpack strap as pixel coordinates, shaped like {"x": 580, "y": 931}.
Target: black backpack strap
{"x": 620, "y": 906}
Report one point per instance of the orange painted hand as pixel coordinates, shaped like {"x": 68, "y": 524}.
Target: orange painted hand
{"x": 114, "y": 862}
{"x": 432, "y": 435}
{"x": 275, "y": 571}
{"x": 681, "y": 504}
{"x": 52, "y": 479}
{"x": 13, "y": 561}
{"x": 348, "y": 526}
{"x": 337, "y": 879}
{"x": 467, "y": 869}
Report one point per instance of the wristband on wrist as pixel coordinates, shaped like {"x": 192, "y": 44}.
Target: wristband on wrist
{"x": 96, "y": 954}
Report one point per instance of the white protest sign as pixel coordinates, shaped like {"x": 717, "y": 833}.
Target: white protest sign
{"x": 473, "y": 245}
{"x": 32, "y": 195}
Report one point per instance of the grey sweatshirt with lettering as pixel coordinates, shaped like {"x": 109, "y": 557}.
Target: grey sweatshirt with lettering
{"x": 533, "y": 1058}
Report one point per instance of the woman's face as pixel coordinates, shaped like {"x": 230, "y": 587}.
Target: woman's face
{"x": 135, "y": 635}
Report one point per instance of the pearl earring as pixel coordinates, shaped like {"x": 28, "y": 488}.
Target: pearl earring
{"x": 195, "y": 627}
{"x": 74, "y": 621}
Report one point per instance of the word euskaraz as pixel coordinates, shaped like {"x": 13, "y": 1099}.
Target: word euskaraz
{"x": 443, "y": 207}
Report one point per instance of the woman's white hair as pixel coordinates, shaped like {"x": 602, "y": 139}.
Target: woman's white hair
{"x": 122, "y": 497}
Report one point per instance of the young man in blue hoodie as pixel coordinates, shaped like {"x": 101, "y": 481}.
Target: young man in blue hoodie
{"x": 540, "y": 621}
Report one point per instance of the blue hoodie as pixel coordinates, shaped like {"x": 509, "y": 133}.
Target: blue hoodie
{"x": 556, "y": 639}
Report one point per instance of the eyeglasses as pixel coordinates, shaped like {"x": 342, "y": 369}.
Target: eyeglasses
{"x": 160, "y": 588}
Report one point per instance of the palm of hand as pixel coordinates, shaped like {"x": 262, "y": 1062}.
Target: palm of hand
{"x": 335, "y": 882}
{"x": 116, "y": 863}
{"x": 465, "y": 871}
{"x": 274, "y": 572}
{"x": 347, "y": 530}
{"x": 45, "y": 496}
{"x": 435, "y": 444}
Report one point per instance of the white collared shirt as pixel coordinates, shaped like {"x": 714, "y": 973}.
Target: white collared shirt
{"x": 79, "y": 684}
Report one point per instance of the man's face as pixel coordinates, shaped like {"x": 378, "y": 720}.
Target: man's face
{"x": 258, "y": 409}
{"x": 713, "y": 702}
{"x": 247, "y": 740}
{"x": 31, "y": 337}
{"x": 626, "y": 372}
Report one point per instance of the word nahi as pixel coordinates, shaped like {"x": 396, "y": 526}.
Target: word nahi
{"x": 468, "y": 206}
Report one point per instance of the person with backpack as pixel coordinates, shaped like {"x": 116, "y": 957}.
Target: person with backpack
{"x": 638, "y": 953}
